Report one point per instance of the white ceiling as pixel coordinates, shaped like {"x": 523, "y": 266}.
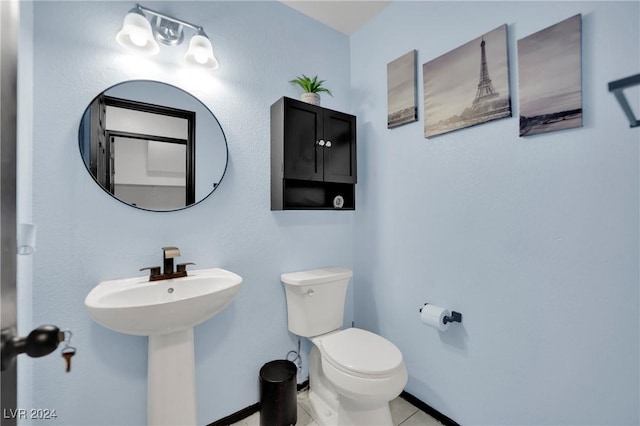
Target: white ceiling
{"x": 343, "y": 16}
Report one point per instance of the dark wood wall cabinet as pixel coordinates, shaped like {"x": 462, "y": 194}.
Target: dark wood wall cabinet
{"x": 313, "y": 157}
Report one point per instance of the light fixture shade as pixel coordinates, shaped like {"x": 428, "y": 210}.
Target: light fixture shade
{"x": 200, "y": 53}
{"x": 136, "y": 34}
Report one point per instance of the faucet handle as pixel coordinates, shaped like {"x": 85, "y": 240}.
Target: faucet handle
{"x": 182, "y": 267}
{"x": 153, "y": 270}
{"x": 170, "y": 252}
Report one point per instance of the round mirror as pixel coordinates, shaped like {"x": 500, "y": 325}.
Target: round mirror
{"x": 152, "y": 145}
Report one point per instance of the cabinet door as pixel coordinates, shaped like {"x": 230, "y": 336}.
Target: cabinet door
{"x": 340, "y": 147}
{"x": 302, "y": 131}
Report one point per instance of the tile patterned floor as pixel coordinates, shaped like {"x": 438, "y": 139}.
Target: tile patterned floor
{"x": 402, "y": 414}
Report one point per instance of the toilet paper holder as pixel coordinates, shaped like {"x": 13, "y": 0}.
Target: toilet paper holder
{"x": 454, "y": 317}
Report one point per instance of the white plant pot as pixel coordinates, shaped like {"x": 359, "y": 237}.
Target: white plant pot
{"x": 310, "y": 98}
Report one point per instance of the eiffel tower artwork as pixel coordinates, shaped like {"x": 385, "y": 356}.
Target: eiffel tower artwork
{"x": 456, "y": 96}
{"x": 485, "y": 90}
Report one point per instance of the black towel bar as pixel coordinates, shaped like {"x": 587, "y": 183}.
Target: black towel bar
{"x": 617, "y": 87}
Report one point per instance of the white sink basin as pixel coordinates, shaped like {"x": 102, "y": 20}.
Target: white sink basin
{"x": 144, "y": 308}
{"x": 166, "y": 311}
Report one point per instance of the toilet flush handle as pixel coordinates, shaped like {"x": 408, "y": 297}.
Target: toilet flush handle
{"x": 309, "y": 292}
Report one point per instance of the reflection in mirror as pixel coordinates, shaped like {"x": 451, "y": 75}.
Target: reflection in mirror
{"x": 152, "y": 145}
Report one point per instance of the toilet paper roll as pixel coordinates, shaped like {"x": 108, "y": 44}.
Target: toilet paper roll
{"x": 433, "y": 316}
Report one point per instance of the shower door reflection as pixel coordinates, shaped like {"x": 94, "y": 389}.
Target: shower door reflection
{"x": 143, "y": 154}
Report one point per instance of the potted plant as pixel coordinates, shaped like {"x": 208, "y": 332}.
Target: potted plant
{"x": 312, "y": 88}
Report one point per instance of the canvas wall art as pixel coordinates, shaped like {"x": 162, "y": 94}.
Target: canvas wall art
{"x": 402, "y": 102}
{"x": 468, "y": 85}
{"x": 550, "y": 78}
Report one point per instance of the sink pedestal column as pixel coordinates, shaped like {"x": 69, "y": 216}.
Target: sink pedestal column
{"x": 171, "y": 382}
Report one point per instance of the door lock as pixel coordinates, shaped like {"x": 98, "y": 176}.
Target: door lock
{"x": 40, "y": 342}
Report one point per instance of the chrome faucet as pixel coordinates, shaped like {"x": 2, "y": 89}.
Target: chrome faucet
{"x": 168, "y": 254}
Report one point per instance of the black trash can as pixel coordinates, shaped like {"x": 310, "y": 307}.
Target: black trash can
{"x": 278, "y": 404}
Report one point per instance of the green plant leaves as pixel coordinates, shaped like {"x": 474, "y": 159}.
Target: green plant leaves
{"x": 311, "y": 85}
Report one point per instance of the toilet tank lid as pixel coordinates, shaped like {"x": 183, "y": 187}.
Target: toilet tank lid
{"x": 316, "y": 276}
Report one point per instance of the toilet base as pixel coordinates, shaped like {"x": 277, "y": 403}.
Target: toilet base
{"x": 322, "y": 395}
{"x": 349, "y": 413}
{"x": 333, "y": 409}
{"x": 353, "y": 413}
{"x": 323, "y": 413}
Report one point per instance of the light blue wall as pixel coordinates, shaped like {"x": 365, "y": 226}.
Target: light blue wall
{"x": 85, "y": 237}
{"x": 534, "y": 240}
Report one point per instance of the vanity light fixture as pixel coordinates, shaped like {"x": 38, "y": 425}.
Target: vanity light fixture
{"x": 141, "y": 35}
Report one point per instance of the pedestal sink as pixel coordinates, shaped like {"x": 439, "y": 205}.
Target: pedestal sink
{"x": 166, "y": 311}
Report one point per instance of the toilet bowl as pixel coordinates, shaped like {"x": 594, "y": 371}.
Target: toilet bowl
{"x": 353, "y": 373}
{"x": 365, "y": 370}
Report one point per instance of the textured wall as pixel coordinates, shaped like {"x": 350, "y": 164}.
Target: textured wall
{"x": 529, "y": 238}
{"x": 534, "y": 240}
{"x": 86, "y": 236}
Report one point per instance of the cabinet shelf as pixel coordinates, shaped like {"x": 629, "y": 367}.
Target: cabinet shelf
{"x": 310, "y": 195}
{"x": 313, "y": 157}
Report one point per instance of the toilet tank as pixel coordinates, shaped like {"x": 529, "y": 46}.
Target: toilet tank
{"x": 315, "y": 300}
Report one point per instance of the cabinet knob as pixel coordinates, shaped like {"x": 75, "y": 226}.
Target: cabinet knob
{"x": 328, "y": 144}
{"x": 321, "y": 142}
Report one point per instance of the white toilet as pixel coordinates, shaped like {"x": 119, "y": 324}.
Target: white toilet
{"x": 353, "y": 373}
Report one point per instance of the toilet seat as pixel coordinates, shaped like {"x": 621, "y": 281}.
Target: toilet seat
{"x": 360, "y": 353}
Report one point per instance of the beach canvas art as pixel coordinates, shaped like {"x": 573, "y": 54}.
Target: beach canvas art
{"x": 468, "y": 85}
{"x": 550, "y": 78}
{"x": 401, "y": 90}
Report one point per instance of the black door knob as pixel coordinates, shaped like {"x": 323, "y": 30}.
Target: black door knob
{"x": 40, "y": 342}
{"x": 43, "y": 340}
